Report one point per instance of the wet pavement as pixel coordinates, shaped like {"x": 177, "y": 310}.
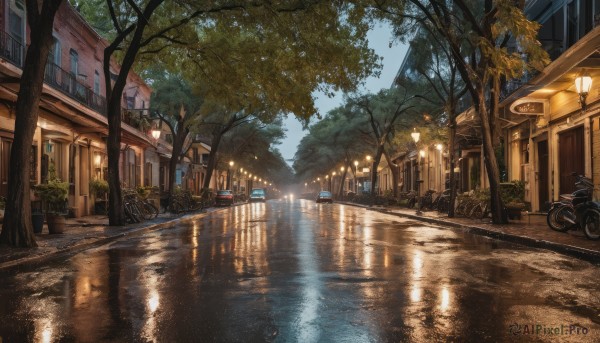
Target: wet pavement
{"x": 302, "y": 272}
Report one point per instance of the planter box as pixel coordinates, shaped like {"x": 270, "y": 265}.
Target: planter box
{"x": 56, "y": 223}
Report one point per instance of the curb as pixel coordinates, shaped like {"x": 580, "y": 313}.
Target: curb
{"x": 77, "y": 248}
{"x": 569, "y": 250}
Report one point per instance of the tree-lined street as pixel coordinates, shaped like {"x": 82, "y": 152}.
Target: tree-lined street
{"x": 298, "y": 271}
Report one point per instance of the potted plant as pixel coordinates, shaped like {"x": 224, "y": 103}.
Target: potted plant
{"x": 99, "y": 189}
{"x": 513, "y": 197}
{"x": 53, "y": 195}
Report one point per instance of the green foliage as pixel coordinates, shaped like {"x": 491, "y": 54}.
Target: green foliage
{"x": 144, "y": 191}
{"x": 53, "y": 193}
{"x": 513, "y": 192}
{"x": 98, "y": 187}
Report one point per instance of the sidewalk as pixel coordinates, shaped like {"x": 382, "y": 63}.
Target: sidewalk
{"x": 530, "y": 230}
{"x": 84, "y": 233}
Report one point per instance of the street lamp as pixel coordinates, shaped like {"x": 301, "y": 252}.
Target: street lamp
{"x": 355, "y": 177}
{"x": 415, "y": 136}
{"x": 440, "y": 148}
{"x": 229, "y": 176}
{"x": 155, "y": 133}
{"x": 342, "y": 180}
{"x": 583, "y": 83}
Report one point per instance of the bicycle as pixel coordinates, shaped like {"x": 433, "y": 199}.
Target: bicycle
{"x": 427, "y": 200}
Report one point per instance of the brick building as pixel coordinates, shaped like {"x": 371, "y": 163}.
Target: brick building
{"x": 72, "y": 127}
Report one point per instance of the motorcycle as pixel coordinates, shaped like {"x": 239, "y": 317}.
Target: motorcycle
{"x": 576, "y": 211}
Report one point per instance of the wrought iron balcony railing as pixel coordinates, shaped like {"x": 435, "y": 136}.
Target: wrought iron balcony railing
{"x": 68, "y": 84}
{"x": 13, "y": 51}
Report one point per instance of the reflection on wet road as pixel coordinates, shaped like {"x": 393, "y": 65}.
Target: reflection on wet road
{"x": 302, "y": 272}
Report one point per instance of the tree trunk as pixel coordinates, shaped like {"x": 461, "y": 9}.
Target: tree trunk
{"x": 212, "y": 158}
{"x": 394, "y": 173}
{"x": 17, "y": 229}
{"x": 341, "y": 192}
{"x": 178, "y": 139}
{"x": 375, "y": 165}
{"x": 491, "y": 164}
{"x": 116, "y": 213}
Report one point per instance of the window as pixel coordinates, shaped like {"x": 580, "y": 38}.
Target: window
{"x": 525, "y": 151}
{"x": 96, "y": 82}
{"x": 74, "y": 62}
{"x": 15, "y": 22}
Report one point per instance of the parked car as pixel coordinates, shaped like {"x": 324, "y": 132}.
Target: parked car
{"x": 258, "y": 194}
{"x": 224, "y": 197}
{"x": 324, "y": 196}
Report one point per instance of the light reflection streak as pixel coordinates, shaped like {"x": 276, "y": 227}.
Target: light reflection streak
{"x": 311, "y": 289}
{"x": 415, "y": 293}
{"x": 445, "y": 298}
{"x": 44, "y": 330}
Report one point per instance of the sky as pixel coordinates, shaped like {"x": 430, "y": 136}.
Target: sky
{"x": 379, "y": 40}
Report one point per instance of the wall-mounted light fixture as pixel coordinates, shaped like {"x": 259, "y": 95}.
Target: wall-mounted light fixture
{"x": 583, "y": 83}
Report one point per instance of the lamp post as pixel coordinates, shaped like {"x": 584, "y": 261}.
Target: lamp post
{"x": 416, "y": 136}
{"x": 342, "y": 181}
{"x": 355, "y": 177}
{"x": 229, "y": 176}
{"x": 440, "y": 148}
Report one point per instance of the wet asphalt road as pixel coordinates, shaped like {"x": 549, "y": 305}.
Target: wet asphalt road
{"x": 302, "y": 272}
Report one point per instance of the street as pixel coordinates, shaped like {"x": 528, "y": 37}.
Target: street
{"x": 296, "y": 271}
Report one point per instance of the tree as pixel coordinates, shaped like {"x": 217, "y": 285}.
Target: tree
{"x": 309, "y": 47}
{"x": 17, "y": 228}
{"x": 338, "y": 139}
{"x": 175, "y": 105}
{"x": 382, "y": 113}
{"x": 433, "y": 62}
{"x": 501, "y": 43}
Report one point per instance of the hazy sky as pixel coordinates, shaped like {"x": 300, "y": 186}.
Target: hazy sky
{"x": 379, "y": 40}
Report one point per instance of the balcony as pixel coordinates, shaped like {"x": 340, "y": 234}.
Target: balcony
{"x": 68, "y": 84}
{"x": 55, "y": 77}
{"x": 11, "y": 50}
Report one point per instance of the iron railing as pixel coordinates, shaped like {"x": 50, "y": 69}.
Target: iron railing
{"x": 11, "y": 50}
{"x": 67, "y": 83}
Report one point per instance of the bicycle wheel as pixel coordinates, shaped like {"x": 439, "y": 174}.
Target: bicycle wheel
{"x": 144, "y": 211}
{"x": 130, "y": 214}
{"x": 477, "y": 211}
{"x": 175, "y": 207}
{"x": 151, "y": 209}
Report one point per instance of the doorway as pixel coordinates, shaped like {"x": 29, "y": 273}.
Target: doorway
{"x": 571, "y": 158}
{"x": 542, "y": 175}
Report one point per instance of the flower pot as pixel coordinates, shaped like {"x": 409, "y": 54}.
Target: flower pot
{"x": 37, "y": 219}
{"x": 56, "y": 223}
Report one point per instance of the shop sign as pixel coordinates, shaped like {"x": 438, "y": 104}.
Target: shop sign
{"x": 528, "y": 107}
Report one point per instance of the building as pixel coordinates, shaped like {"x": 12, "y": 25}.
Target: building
{"x": 72, "y": 127}
{"x": 551, "y": 130}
